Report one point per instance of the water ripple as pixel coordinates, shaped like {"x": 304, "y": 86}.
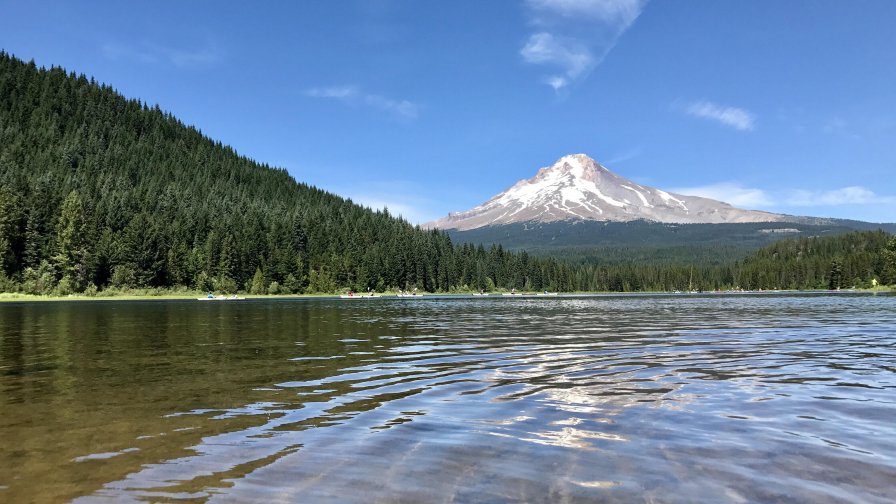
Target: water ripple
{"x": 692, "y": 399}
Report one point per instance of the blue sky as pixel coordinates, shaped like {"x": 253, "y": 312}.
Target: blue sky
{"x": 430, "y": 107}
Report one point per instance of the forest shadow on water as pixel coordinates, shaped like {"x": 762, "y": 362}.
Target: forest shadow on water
{"x": 683, "y": 398}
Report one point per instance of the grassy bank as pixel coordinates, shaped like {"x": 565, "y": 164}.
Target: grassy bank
{"x": 161, "y": 294}
{"x": 133, "y": 295}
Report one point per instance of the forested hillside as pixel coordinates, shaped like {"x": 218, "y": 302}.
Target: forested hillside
{"x": 604, "y": 243}
{"x": 851, "y": 260}
{"x": 97, "y": 190}
{"x": 856, "y": 259}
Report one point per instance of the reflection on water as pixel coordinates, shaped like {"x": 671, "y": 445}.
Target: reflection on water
{"x": 629, "y": 398}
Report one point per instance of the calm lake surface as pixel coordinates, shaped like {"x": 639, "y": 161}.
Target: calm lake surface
{"x": 717, "y": 398}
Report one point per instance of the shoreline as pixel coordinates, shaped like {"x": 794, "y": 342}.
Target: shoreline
{"x": 14, "y": 297}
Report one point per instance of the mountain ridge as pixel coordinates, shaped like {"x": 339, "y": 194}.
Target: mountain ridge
{"x": 576, "y": 187}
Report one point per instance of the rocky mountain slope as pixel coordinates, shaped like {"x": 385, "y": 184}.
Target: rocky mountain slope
{"x": 577, "y": 187}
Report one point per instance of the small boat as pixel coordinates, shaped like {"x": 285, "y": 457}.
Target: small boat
{"x": 357, "y": 296}
{"x": 546, "y": 293}
{"x": 408, "y": 295}
{"x": 220, "y": 298}
{"x": 480, "y": 293}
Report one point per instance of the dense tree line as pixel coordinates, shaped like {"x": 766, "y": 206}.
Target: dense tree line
{"x": 611, "y": 243}
{"x": 858, "y": 259}
{"x": 98, "y": 191}
{"x": 852, "y": 260}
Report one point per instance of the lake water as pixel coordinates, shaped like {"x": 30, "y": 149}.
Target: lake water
{"x": 716, "y": 398}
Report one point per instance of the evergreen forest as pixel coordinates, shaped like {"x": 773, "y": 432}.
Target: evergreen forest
{"x": 100, "y": 192}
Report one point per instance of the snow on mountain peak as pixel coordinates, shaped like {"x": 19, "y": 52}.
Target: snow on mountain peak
{"x": 578, "y": 187}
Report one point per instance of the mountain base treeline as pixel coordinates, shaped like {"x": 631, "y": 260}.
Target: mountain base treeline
{"x": 860, "y": 259}
{"x": 98, "y": 191}
{"x": 101, "y": 192}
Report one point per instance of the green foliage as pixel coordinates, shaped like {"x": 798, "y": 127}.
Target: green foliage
{"x": 203, "y": 282}
{"x": 322, "y": 282}
{"x": 6, "y": 284}
{"x": 65, "y": 286}
{"x": 225, "y": 284}
{"x": 71, "y": 243}
{"x": 123, "y": 277}
{"x": 291, "y": 285}
{"x": 10, "y": 220}
{"x": 816, "y": 262}
{"x": 116, "y": 193}
{"x": 40, "y": 280}
{"x": 100, "y": 193}
{"x": 888, "y": 274}
{"x": 835, "y": 276}
{"x": 601, "y": 243}
{"x": 90, "y": 290}
{"x": 257, "y": 285}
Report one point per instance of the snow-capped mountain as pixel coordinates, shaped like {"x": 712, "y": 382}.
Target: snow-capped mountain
{"x": 577, "y": 187}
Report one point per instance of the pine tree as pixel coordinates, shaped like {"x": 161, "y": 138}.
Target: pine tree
{"x": 888, "y": 275}
{"x": 257, "y": 286}
{"x": 71, "y": 243}
{"x": 835, "y": 276}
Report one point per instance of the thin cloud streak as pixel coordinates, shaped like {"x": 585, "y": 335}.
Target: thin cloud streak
{"x": 150, "y": 53}
{"x": 402, "y": 198}
{"x": 622, "y": 12}
{"x": 395, "y": 208}
{"x": 544, "y": 48}
{"x": 737, "y": 118}
{"x": 623, "y": 157}
{"x": 750, "y": 197}
{"x": 341, "y": 92}
{"x": 730, "y": 192}
{"x": 852, "y": 195}
{"x": 353, "y": 95}
{"x": 591, "y": 29}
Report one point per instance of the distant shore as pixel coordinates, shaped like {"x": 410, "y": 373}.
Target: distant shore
{"x": 13, "y": 297}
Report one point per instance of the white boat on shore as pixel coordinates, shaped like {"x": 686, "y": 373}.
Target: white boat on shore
{"x": 220, "y": 298}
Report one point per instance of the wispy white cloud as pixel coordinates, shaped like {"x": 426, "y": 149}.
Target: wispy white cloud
{"x": 395, "y": 207}
{"x": 590, "y": 30}
{"x": 622, "y": 157}
{"x": 403, "y": 108}
{"x": 340, "y": 92}
{"x": 612, "y": 11}
{"x": 120, "y": 52}
{"x": 839, "y": 127}
{"x": 852, "y": 195}
{"x": 568, "y": 54}
{"x": 151, "y": 53}
{"x": 737, "y": 118}
{"x": 750, "y": 197}
{"x": 353, "y": 95}
{"x": 730, "y": 192}
{"x": 402, "y": 198}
